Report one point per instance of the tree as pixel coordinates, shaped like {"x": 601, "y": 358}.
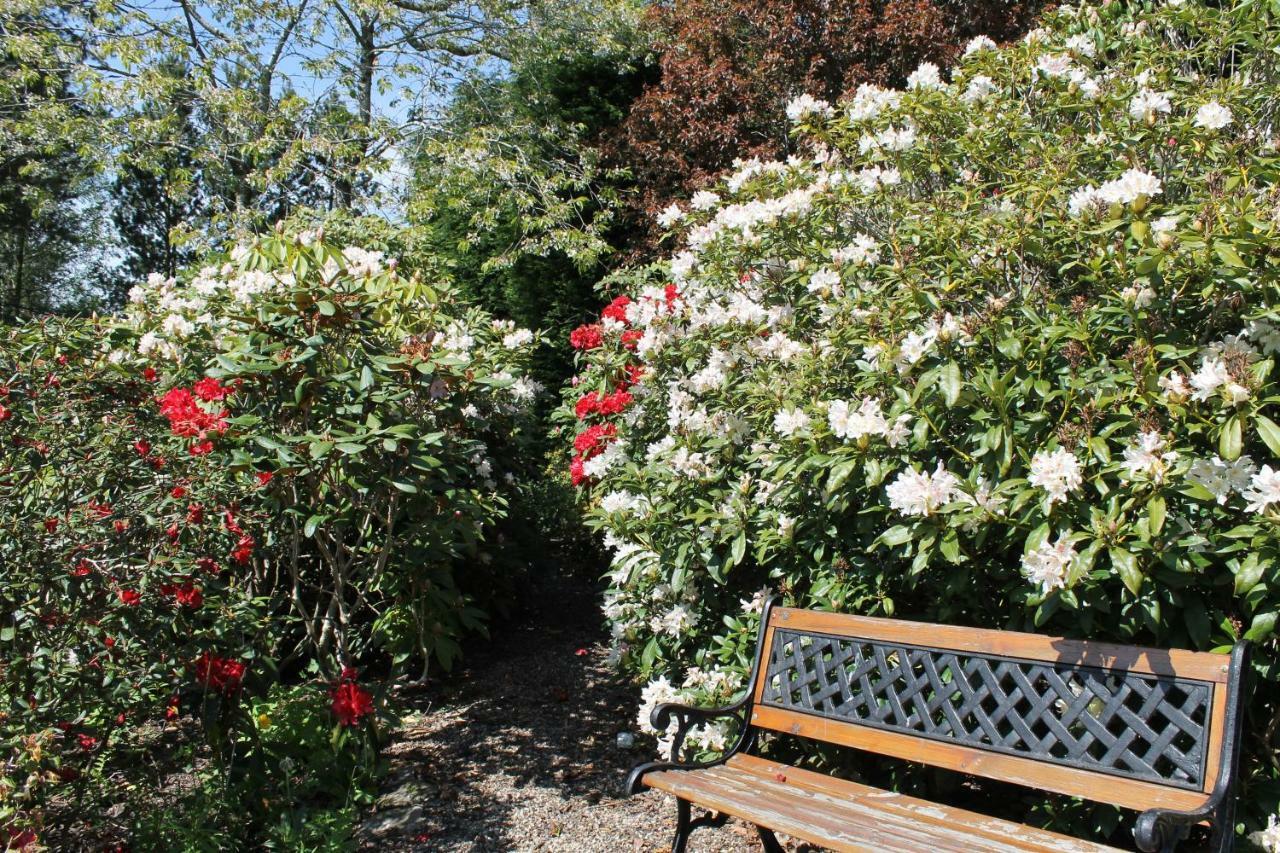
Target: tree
{"x": 728, "y": 68}
{"x": 47, "y": 172}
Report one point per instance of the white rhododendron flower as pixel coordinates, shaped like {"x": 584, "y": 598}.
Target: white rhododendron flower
{"x": 980, "y": 86}
{"x": 670, "y": 216}
{"x": 791, "y": 422}
{"x": 1263, "y": 490}
{"x": 1134, "y": 185}
{"x": 1213, "y": 116}
{"x": 1057, "y": 472}
{"x": 921, "y": 493}
{"x": 1049, "y": 566}
{"x": 1146, "y": 104}
{"x": 847, "y": 423}
{"x": 926, "y": 76}
{"x": 806, "y": 106}
{"x": 1220, "y": 478}
{"x": 1055, "y": 65}
{"x": 1148, "y": 456}
{"x": 977, "y": 44}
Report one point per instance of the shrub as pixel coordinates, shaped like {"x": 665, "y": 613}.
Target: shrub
{"x": 727, "y": 68}
{"x": 278, "y": 468}
{"x": 999, "y": 350}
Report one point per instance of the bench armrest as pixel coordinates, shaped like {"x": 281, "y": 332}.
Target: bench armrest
{"x": 1161, "y": 830}
{"x": 686, "y": 718}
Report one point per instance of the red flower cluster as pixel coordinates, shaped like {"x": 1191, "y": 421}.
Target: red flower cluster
{"x": 351, "y": 702}
{"x": 612, "y": 404}
{"x": 130, "y": 597}
{"x": 617, "y": 309}
{"x": 218, "y": 673}
{"x": 185, "y": 593}
{"x": 586, "y": 337}
{"x": 591, "y": 441}
{"x": 211, "y": 390}
{"x": 189, "y": 419}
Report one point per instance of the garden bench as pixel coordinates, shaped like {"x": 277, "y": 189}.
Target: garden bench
{"x": 1152, "y": 730}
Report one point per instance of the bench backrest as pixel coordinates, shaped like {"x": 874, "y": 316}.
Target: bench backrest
{"x": 1136, "y": 727}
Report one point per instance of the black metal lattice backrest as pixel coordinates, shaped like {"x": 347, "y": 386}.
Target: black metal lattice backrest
{"x": 1133, "y": 725}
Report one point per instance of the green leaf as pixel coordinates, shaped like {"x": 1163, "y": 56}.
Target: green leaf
{"x": 309, "y": 529}
{"x": 739, "y": 549}
{"x": 1249, "y": 573}
{"x": 326, "y": 307}
{"x": 1262, "y": 627}
{"x": 951, "y": 383}
{"x": 1269, "y": 433}
{"x": 897, "y": 535}
{"x": 1229, "y": 255}
{"x": 1231, "y": 440}
{"x": 1126, "y": 566}
{"x": 1156, "y": 512}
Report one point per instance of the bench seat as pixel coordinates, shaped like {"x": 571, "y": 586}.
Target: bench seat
{"x": 846, "y": 816}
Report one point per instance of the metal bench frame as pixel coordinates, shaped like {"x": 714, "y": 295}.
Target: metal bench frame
{"x": 1154, "y": 730}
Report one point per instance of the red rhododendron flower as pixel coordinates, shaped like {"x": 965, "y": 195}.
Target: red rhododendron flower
{"x": 177, "y": 492}
{"x": 121, "y": 525}
{"x": 593, "y": 439}
{"x": 5, "y": 414}
{"x": 634, "y": 372}
{"x": 211, "y": 390}
{"x": 229, "y": 522}
{"x": 615, "y": 403}
{"x": 586, "y": 337}
{"x": 172, "y": 531}
{"x": 130, "y": 597}
{"x": 109, "y": 642}
{"x": 195, "y": 514}
{"x": 189, "y": 595}
{"x": 142, "y": 446}
{"x": 62, "y": 360}
{"x": 351, "y": 703}
{"x": 631, "y": 338}
{"x": 172, "y": 708}
{"x": 150, "y": 374}
{"x": 51, "y": 525}
{"x": 576, "y": 474}
{"x": 208, "y": 564}
{"x": 218, "y": 673}
{"x": 672, "y": 294}
{"x": 201, "y": 448}
{"x": 99, "y": 510}
{"x": 52, "y": 381}
{"x": 87, "y": 742}
{"x": 244, "y": 550}
{"x": 588, "y": 405}
{"x": 617, "y": 309}
{"x": 187, "y": 418}
{"x": 83, "y": 569}
{"x": 156, "y": 462}
{"x": 264, "y": 477}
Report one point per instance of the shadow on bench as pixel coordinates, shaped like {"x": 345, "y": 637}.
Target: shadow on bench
{"x": 1153, "y": 730}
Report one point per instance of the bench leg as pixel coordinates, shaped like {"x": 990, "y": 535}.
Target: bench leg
{"x": 768, "y": 840}
{"x": 682, "y": 826}
{"x": 685, "y": 826}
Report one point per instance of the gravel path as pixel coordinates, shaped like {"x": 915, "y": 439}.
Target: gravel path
{"x": 517, "y": 751}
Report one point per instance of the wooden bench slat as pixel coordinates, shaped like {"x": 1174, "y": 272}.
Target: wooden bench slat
{"x": 846, "y": 816}
{"x": 993, "y": 765}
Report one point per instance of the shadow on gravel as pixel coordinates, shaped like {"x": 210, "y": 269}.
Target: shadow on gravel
{"x": 505, "y": 753}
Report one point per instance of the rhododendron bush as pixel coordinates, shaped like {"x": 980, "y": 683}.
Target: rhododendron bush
{"x": 280, "y": 467}
{"x": 998, "y": 350}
